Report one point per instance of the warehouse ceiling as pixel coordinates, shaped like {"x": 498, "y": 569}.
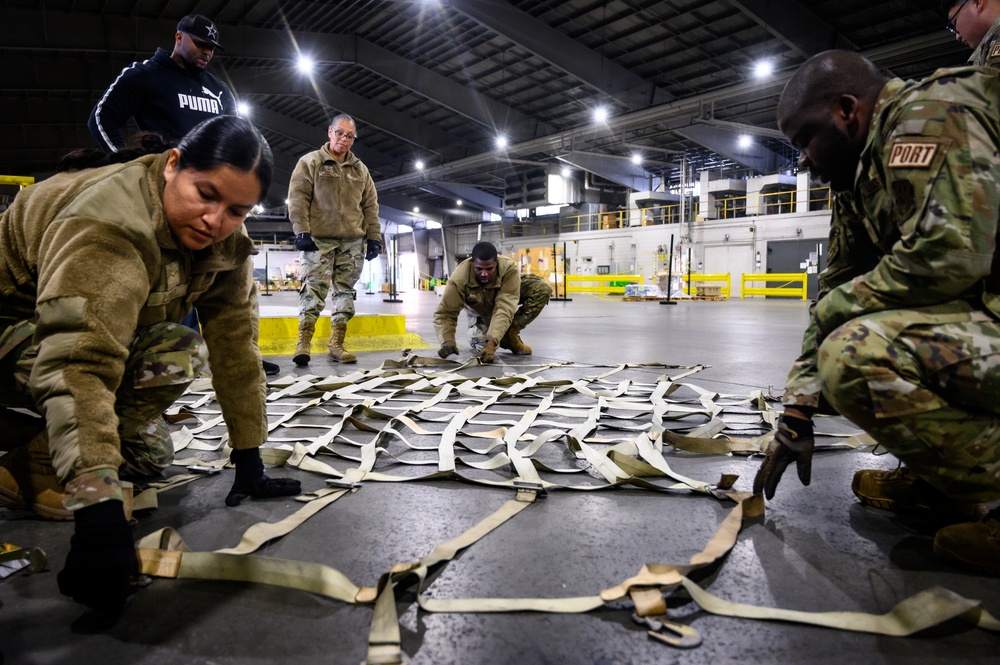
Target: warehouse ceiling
{"x": 437, "y": 81}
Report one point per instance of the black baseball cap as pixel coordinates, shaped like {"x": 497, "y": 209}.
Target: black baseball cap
{"x": 201, "y": 28}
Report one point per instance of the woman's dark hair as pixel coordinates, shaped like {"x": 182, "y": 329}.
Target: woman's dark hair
{"x": 484, "y": 251}
{"x": 143, "y": 143}
{"x": 225, "y": 140}
{"x": 228, "y": 140}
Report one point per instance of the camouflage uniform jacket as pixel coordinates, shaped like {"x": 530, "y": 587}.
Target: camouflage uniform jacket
{"x": 495, "y": 302}
{"x": 89, "y": 256}
{"x": 331, "y": 199}
{"x": 919, "y": 227}
{"x": 987, "y": 54}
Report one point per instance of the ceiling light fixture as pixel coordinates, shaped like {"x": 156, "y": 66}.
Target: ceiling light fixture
{"x": 419, "y": 164}
{"x": 305, "y": 64}
{"x": 745, "y": 141}
{"x": 636, "y": 158}
{"x": 566, "y": 172}
{"x": 601, "y": 114}
{"x": 763, "y": 69}
{"x": 243, "y": 109}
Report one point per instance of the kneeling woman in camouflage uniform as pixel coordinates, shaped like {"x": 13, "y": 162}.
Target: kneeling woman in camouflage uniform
{"x": 97, "y": 268}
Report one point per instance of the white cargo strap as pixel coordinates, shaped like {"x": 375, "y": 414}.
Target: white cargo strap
{"x": 311, "y": 577}
{"x": 163, "y": 555}
{"x": 383, "y": 638}
{"x": 404, "y": 398}
{"x": 920, "y": 611}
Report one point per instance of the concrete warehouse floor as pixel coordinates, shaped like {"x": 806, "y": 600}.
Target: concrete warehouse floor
{"x": 817, "y": 549}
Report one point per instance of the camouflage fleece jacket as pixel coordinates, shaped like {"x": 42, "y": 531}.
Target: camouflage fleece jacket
{"x": 919, "y": 227}
{"x": 331, "y": 199}
{"x": 89, "y": 256}
{"x": 496, "y": 301}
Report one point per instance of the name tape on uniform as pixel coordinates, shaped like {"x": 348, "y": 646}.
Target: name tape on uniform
{"x": 912, "y": 155}
{"x": 994, "y": 50}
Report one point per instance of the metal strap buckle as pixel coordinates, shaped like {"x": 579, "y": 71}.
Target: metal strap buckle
{"x": 675, "y": 634}
{"x": 345, "y": 484}
{"x": 530, "y": 485}
{"x": 200, "y": 468}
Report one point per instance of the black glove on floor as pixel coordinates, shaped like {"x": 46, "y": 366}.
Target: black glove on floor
{"x": 305, "y": 243}
{"x": 374, "y": 249}
{"x": 793, "y": 442}
{"x": 251, "y": 480}
{"x": 101, "y": 560}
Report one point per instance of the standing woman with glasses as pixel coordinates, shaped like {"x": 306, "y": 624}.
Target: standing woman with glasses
{"x": 976, "y": 23}
{"x": 333, "y": 207}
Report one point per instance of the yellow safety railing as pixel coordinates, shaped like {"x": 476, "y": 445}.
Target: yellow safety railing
{"x": 600, "y": 283}
{"x": 770, "y": 203}
{"x": 696, "y": 280}
{"x": 783, "y": 290}
{"x": 21, "y": 181}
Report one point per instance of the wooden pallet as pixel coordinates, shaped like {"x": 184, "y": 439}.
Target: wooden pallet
{"x": 643, "y": 298}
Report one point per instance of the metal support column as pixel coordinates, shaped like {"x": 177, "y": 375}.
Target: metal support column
{"x": 670, "y": 274}
{"x": 393, "y": 259}
{"x": 564, "y": 297}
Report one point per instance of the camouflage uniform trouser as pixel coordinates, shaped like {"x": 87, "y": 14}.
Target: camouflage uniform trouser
{"x": 338, "y": 262}
{"x": 925, "y": 383}
{"x": 163, "y": 359}
{"x": 535, "y": 294}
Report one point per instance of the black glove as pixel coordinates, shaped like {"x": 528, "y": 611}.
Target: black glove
{"x": 374, "y": 249}
{"x": 448, "y": 349}
{"x": 101, "y": 560}
{"x": 793, "y": 442}
{"x": 489, "y": 352}
{"x": 305, "y": 243}
{"x": 251, "y": 480}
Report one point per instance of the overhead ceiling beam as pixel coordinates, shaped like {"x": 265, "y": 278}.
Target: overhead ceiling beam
{"x": 563, "y": 52}
{"x": 52, "y": 29}
{"x": 724, "y": 141}
{"x": 744, "y": 128}
{"x": 400, "y": 125}
{"x": 897, "y": 54}
{"x": 398, "y": 208}
{"x": 461, "y": 99}
{"x": 619, "y": 170}
{"x": 468, "y": 195}
{"x": 795, "y": 25}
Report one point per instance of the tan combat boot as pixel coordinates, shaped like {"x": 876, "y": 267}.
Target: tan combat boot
{"x": 973, "y": 545}
{"x": 512, "y": 341}
{"x": 902, "y": 491}
{"x": 28, "y": 481}
{"x": 335, "y": 350}
{"x": 304, "y": 345}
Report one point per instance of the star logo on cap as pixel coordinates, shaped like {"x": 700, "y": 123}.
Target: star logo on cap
{"x": 213, "y": 34}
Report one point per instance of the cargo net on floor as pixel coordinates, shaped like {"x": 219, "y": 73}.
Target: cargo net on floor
{"x": 549, "y": 429}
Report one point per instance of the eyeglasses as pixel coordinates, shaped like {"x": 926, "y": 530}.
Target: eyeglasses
{"x": 350, "y": 137}
{"x": 951, "y": 18}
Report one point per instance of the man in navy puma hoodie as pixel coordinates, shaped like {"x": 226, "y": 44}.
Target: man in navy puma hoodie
{"x": 169, "y": 93}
